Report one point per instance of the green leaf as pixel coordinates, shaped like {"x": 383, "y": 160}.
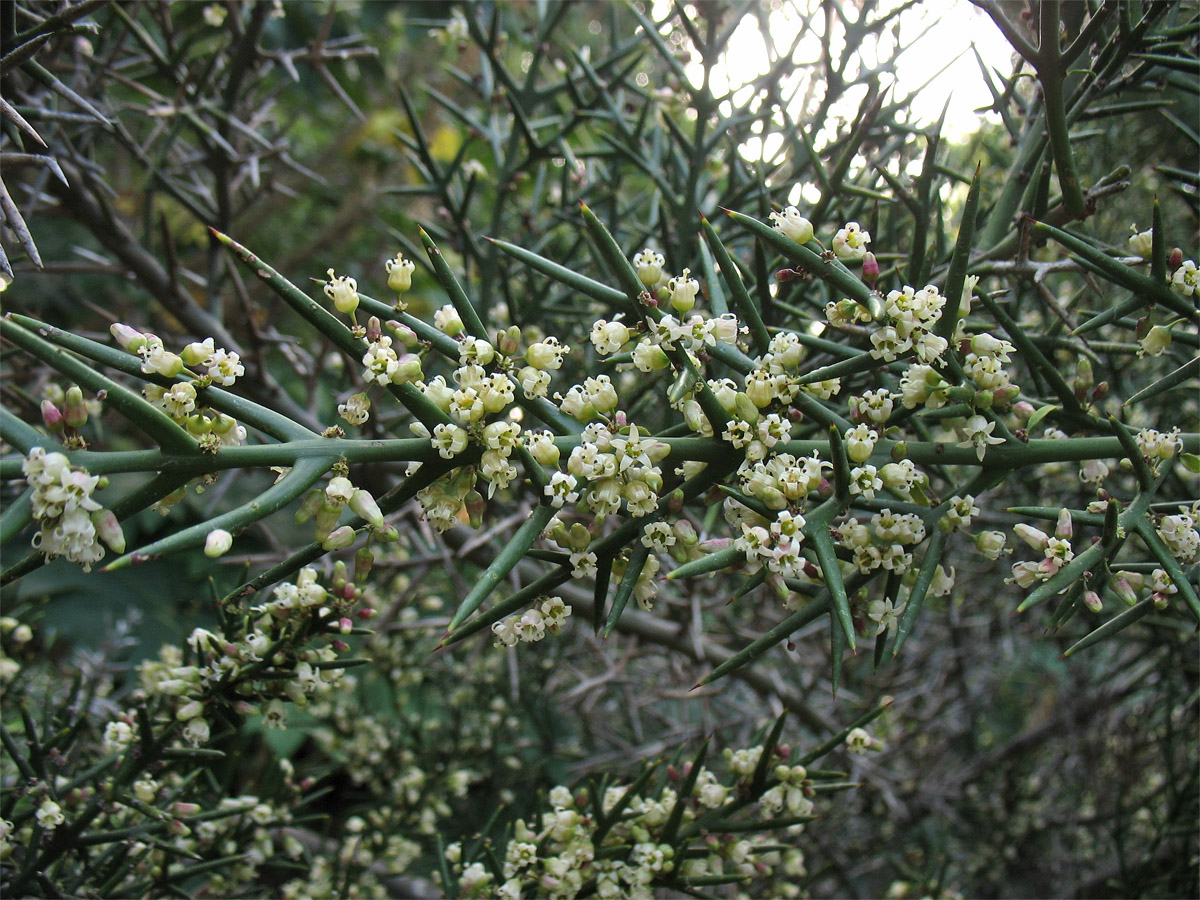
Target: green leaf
{"x": 504, "y": 562}
{"x": 1112, "y": 626}
{"x": 633, "y": 569}
{"x": 302, "y": 476}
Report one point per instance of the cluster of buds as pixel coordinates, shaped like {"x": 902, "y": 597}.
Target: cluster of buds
{"x": 325, "y": 507}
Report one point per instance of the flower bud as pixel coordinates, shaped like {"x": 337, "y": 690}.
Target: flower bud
{"x": 1174, "y": 259}
{"x": 309, "y": 505}
{"x": 109, "y": 529}
{"x": 74, "y": 408}
{"x": 364, "y": 559}
{"x": 343, "y": 291}
{"x": 374, "y": 330}
{"x": 1064, "y": 528}
{"x": 1023, "y": 410}
{"x": 509, "y": 340}
{"x": 400, "y": 272}
{"x": 475, "y": 505}
{"x": 339, "y": 538}
{"x": 1092, "y": 601}
{"x": 388, "y": 534}
{"x": 870, "y": 269}
{"x": 52, "y": 418}
{"x": 133, "y": 340}
{"x": 365, "y": 507}
{"x": 198, "y": 425}
{"x": 1034, "y": 537}
{"x": 327, "y": 516}
{"x": 403, "y": 333}
{"x": 217, "y": 543}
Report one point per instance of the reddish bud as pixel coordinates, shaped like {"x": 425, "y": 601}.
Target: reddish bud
{"x": 52, "y": 418}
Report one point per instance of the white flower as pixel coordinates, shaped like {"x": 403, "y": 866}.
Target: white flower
{"x": 851, "y": 242}
{"x": 649, "y": 265}
{"x": 50, "y": 814}
{"x": 791, "y": 224}
{"x": 977, "y": 433}
{"x": 400, "y": 271}
{"x": 683, "y": 290}
{"x": 609, "y": 337}
{"x": 355, "y": 410}
{"x": 1155, "y": 343}
{"x": 1186, "y": 280}
{"x": 449, "y": 440}
{"x": 343, "y": 291}
{"x": 1142, "y": 242}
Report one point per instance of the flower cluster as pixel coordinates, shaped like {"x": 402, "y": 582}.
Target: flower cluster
{"x": 206, "y": 364}
{"x": 564, "y": 851}
{"x": 72, "y": 523}
{"x": 264, "y": 661}
{"x": 612, "y": 466}
{"x": 531, "y": 625}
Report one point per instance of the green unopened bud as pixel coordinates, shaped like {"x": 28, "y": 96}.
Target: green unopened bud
{"x": 403, "y": 333}
{"x": 899, "y": 451}
{"x": 221, "y": 423}
{"x": 388, "y": 534}
{"x": 685, "y": 532}
{"x": 340, "y": 576}
{"x": 327, "y": 516}
{"x": 694, "y": 416}
{"x": 198, "y": 424}
{"x": 339, "y": 538}
{"x": 578, "y": 537}
{"x": 745, "y": 408}
{"x": 195, "y": 353}
{"x": 476, "y": 506}
{"x": 983, "y": 399}
{"x": 74, "y": 408}
{"x": 508, "y": 341}
{"x": 364, "y": 559}
{"x": 1084, "y": 378}
{"x": 309, "y": 505}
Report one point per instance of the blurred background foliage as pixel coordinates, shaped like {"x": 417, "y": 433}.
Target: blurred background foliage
{"x": 321, "y": 134}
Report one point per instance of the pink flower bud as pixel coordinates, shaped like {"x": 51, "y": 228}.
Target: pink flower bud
{"x": 52, "y": 418}
{"x": 1064, "y": 527}
{"x": 109, "y": 530}
{"x": 345, "y": 625}
{"x": 1092, "y": 601}
{"x": 1174, "y": 259}
{"x": 870, "y": 269}
{"x": 133, "y": 340}
{"x": 374, "y": 330}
